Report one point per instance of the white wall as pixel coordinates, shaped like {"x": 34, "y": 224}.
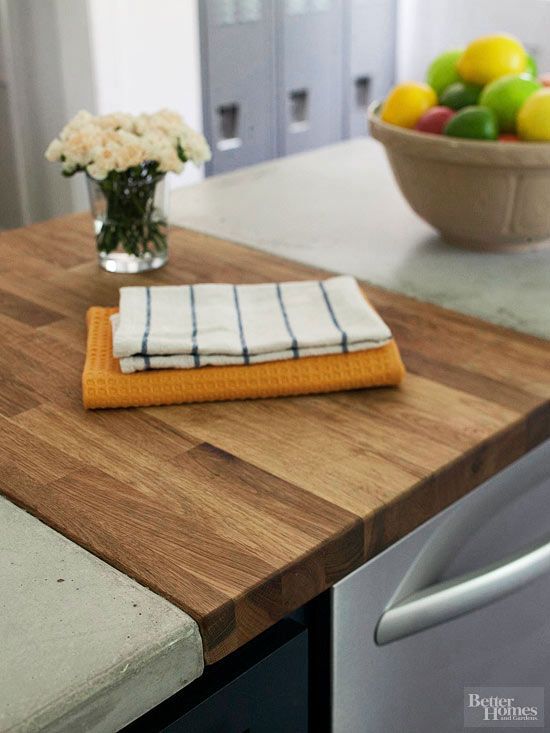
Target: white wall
{"x": 428, "y": 27}
{"x": 146, "y": 55}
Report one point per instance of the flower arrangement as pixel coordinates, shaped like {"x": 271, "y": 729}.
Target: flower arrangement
{"x": 124, "y": 158}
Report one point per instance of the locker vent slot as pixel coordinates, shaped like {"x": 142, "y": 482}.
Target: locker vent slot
{"x": 228, "y": 127}
{"x": 320, "y": 6}
{"x": 229, "y": 12}
{"x": 250, "y": 11}
{"x": 362, "y": 92}
{"x": 303, "y": 7}
{"x": 299, "y": 110}
{"x": 296, "y": 7}
{"x": 226, "y": 12}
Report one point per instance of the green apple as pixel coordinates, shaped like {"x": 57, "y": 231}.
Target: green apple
{"x": 505, "y": 96}
{"x": 442, "y": 71}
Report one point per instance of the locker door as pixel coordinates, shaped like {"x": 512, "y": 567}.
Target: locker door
{"x": 370, "y": 31}
{"x": 309, "y": 73}
{"x": 237, "y": 61}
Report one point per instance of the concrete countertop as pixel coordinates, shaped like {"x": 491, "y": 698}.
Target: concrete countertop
{"x": 83, "y": 647}
{"x": 339, "y": 208}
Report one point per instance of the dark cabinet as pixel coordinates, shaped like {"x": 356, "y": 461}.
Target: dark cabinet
{"x": 262, "y": 688}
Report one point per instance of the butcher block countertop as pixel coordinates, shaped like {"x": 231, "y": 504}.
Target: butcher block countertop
{"x": 240, "y": 512}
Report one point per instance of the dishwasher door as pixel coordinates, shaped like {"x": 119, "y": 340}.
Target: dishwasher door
{"x": 463, "y": 601}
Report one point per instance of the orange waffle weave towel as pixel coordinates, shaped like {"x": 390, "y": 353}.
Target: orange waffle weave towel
{"x": 104, "y": 385}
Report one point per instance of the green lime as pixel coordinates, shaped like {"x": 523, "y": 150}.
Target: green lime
{"x": 476, "y": 122}
{"x": 442, "y": 71}
{"x": 505, "y": 96}
{"x": 531, "y": 68}
{"x": 459, "y": 95}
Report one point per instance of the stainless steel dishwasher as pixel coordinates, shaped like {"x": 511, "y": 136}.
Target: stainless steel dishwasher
{"x": 463, "y": 601}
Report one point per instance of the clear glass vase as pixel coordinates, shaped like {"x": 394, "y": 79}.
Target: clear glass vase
{"x": 130, "y": 219}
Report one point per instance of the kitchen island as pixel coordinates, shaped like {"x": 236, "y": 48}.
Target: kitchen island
{"x": 339, "y": 208}
{"x": 237, "y": 514}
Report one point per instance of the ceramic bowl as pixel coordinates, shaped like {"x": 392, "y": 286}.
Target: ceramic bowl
{"x": 478, "y": 194}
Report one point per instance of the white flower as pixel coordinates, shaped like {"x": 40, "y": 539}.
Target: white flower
{"x": 116, "y": 121}
{"x": 154, "y": 143}
{"x": 69, "y": 168}
{"x": 79, "y": 120}
{"x": 119, "y": 141}
{"x": 97, "y": 171}
{"x": 168, "y": 160}
{"x": 79, "y": 146}
{"x": 105, "y": 156}
{"x": 167, "y": 121}
{"x": 141, "y": 124}
{"x": 195, "y": 147}
{"x": 54, "y": 151}
{"x": 130, "y": 152}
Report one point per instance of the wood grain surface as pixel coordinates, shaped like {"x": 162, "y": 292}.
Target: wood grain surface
{"x": 241, "y": 512}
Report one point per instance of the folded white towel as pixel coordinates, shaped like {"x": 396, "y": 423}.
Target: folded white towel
{"x": 189, "y": 326}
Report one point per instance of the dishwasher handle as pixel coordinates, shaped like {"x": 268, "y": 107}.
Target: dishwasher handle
{"x": 444, "y": 601}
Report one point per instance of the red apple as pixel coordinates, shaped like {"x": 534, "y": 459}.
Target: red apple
{"x": 545, "y": 79}
{"x": 435, "y": 119}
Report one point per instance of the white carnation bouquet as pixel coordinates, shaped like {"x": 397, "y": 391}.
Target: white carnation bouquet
{"x": 126, "y": 156}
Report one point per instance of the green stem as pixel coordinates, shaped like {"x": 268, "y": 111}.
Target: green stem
{"x": 132, "y": 220}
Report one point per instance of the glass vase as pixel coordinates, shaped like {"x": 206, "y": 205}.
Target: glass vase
{"x": 130, "y": 219}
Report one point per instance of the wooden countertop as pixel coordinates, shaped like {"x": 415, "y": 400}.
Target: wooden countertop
{"x": 240, "y": 512}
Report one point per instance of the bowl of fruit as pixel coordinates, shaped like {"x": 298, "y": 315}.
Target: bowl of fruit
{"x": 470, "y": 147}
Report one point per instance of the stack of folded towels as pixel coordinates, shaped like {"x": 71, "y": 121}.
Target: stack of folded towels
{"x": 195, "y": 343}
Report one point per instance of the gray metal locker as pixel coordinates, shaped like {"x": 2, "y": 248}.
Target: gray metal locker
{"x": 369, "y": 63}
{"x": 283, "y": 76}
{"x": 237, "y": 59}
{"x": 309, "y": 73}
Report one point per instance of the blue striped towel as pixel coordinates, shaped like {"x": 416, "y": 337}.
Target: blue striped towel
{"x": 187, "y": 326}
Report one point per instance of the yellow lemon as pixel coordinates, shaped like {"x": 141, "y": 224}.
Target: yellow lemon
{"x": 406, "y": 103}
{"x": 490, "y": 57}
{"x": 533, "y": 120}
